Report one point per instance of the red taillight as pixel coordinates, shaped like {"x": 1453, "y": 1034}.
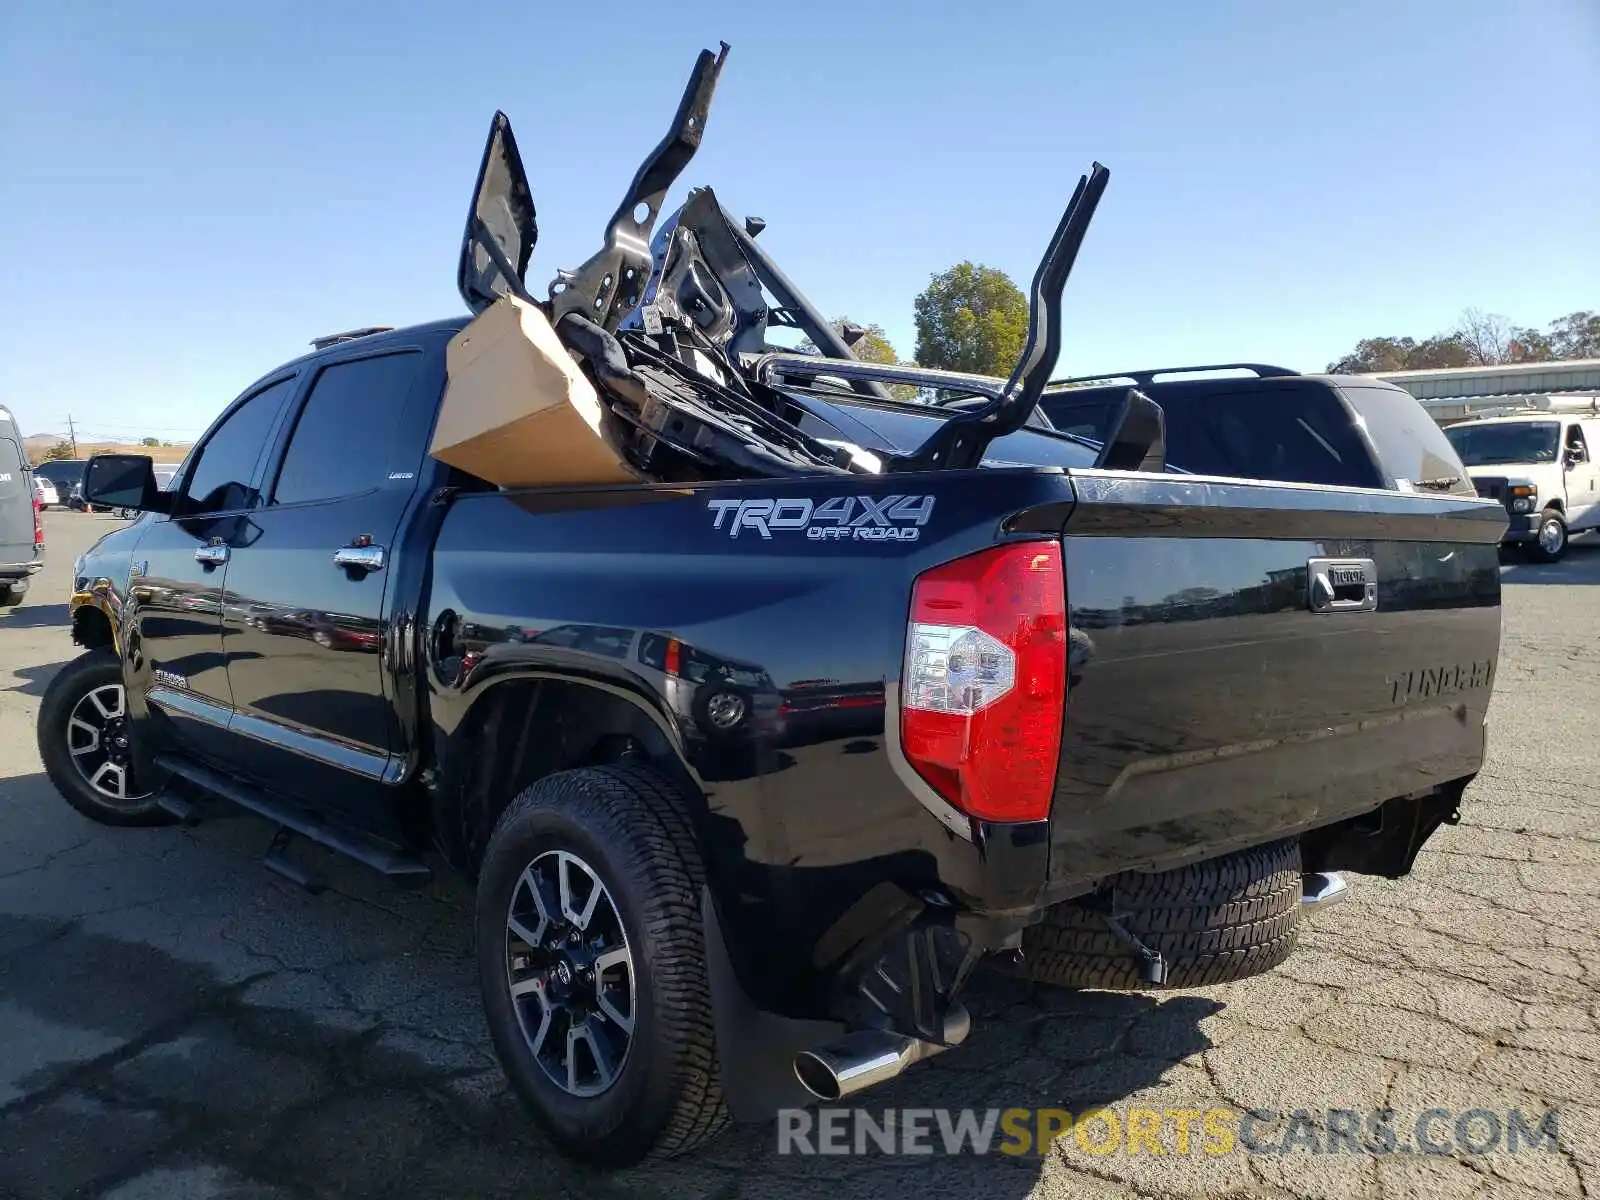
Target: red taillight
{"x": 674, "y": 658}
{"x": 985, "y": 681}
{"x": 38, "y": 526}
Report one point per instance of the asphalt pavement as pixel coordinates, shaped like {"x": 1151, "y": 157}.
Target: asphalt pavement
{"x": 176, "y": 1022}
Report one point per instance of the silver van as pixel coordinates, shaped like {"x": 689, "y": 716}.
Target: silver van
{"x": 21, "y": 535}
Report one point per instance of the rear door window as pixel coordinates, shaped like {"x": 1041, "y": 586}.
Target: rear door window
{"x": 1084, "y": 417}
{"x": 344, "y": 441}
{"x": 1410, "y": 444}
{"x": 592, "y": 639}
{"x": 653, "y": 651}
{"x": 1292, "y": 434}
{"x": 1283, "y": 431}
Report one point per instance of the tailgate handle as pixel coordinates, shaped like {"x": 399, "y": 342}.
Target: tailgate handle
{"x": 1342, "y": 585}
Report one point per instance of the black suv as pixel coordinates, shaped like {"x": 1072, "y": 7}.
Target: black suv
{"x": 1265, "y": 422}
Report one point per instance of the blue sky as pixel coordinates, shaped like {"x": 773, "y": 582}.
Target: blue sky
{"x": 191, "y": 191}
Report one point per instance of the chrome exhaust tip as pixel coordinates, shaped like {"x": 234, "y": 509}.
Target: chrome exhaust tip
{"x": 1321, "y": 888}
{"x": 869, "y": 1057}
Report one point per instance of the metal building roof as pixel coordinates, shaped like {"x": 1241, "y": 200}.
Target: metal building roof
{"x": 1510, "y": 379}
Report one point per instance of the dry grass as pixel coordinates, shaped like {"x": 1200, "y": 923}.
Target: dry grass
{"x": 37, "y": 447}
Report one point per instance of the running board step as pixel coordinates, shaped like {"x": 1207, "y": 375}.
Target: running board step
{"x": 401, "y": 869}
{"x": 277, "y": 860}
{"x": 176, "y": 807}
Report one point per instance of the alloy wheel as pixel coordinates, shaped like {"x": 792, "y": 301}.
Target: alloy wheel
{"x": 100, "y": 744}
{"x": 725, "y": 710}
{"x": 1551, "y": 535}
{"x": 571, "y": 973}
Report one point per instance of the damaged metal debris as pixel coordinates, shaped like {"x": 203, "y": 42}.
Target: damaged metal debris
{"x": 670, "y": 327}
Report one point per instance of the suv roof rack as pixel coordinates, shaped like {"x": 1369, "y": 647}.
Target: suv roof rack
{"x": 333, "y": 339}
{"x": 1146, "y": 378}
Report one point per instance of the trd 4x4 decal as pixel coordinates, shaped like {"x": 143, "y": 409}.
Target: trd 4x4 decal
{"x": 842, "y": 518}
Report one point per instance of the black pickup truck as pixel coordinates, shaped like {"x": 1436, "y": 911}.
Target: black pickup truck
{"x": 755, "y": 761}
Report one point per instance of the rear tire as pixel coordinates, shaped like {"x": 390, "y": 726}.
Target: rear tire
{"x": 12, "y": 593}
{"x": 626, "y": 828}
{"x": 83, "y": 737}
{"x": 1215, "y": 921}
{"x": 1550, "y": 539}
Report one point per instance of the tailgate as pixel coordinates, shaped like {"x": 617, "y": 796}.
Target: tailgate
{"x": 1253, "y": 660}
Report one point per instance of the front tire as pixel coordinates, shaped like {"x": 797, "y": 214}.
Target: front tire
{"x": 1550, "y": 541}
{"x": 85, "y": 743}
{"x": 592, "y": 962}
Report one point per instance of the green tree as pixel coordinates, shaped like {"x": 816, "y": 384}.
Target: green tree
{"x": 1529, "y": 346}
{"x": 1384, "y": 354}
{"x": 59, "y": 450}
{"x": 1373, "y": 355}
{"x": 1479, "y": 339}
{"x": 1576, "y": 335}
{"x": 873, "y": 346}
{"x": 971, "y": 318}
{"x": 149, "y": 441}
{"x": 1441, "y": 351}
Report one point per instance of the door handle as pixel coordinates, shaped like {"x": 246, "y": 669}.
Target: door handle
{"x": 359, "y": 558}
{"x": 213, "y": 554}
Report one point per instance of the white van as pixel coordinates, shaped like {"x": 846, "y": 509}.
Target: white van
{"x": 1542, "y": 467}
{"x": 21, "y": 537}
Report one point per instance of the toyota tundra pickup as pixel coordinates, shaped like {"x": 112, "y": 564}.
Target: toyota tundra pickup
{"x": 753, "y": 762}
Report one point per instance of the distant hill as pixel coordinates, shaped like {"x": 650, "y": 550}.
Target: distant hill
{"x": 39, "y": 445}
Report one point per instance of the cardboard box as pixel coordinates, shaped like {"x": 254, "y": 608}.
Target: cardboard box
{"x": 517, "y": 411}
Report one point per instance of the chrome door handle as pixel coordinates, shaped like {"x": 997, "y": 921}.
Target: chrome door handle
{"x": 213, "y": 554}
{"x": 359, "y": 558}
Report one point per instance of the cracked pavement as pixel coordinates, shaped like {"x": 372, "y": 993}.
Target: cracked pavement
{"x": 177, "y": 1022}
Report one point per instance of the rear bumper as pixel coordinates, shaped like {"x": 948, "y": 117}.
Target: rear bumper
{"x": 21, "y": 570}
{"x": 1174, "y": 812}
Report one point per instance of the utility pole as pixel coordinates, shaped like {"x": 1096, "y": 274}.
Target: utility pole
{"x": 73, "y": 435}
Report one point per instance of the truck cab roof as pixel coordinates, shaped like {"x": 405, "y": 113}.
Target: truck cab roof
{"x": 366, "y": 340}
